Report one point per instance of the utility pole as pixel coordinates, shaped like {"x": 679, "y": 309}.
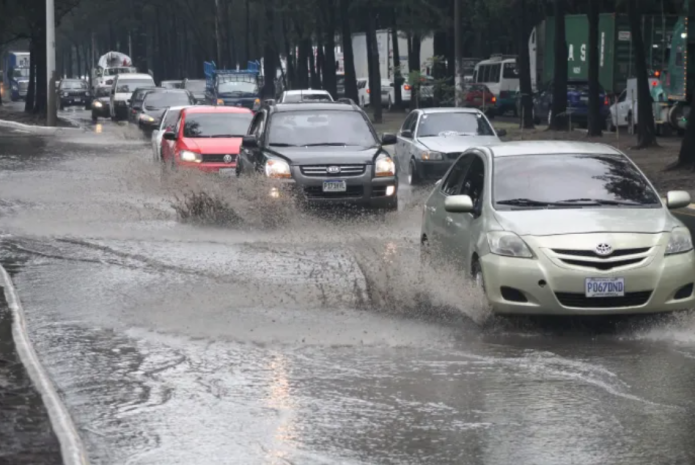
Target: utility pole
{"x": 130, "y": 45}
{"x": 50, "y": 63}
{"x": 217, "y": 33}
{"x": 458, "y": 61}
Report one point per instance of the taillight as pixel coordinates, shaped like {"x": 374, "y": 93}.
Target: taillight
{"x": 367, "y": 90}
{"x": 406, "y": 87}
{"x": 494, "y": 99}
{"x": 606, "y": 101}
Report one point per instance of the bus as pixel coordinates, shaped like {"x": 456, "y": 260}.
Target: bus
{"x": 501, "y": 76}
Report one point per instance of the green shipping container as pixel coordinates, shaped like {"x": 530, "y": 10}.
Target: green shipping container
{"x": 616, "y": 53}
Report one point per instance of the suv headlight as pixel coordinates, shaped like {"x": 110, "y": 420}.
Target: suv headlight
{"x": 384, "y": 166}
{"x": 277, "y": 169}
{"x": 679, "y": 242}
{"x": 65, "y": 94}
{"x": 148, "y": 118}
{"x": 508, "y": 244}
{"x": 432, "y": 156}
{"x": 187, "y": 155}
{"x": 14, "y": 87}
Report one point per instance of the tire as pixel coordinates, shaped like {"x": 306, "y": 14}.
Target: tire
{"x": 478, "y": 279}
{"x": 95, "y": 118}
{"x": 413, "y": 176}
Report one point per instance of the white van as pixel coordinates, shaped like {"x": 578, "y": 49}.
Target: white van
{"x": 501, "y": 76}
{"x": 123, "y": 87}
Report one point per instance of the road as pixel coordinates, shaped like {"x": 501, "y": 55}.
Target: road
{"x": 318, "y": 341}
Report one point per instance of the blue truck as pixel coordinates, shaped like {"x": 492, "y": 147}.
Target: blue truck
{"x": 15, "y": 74}
{"x": 238, "y": 88}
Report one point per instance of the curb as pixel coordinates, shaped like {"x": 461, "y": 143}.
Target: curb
{"x": 44, "y": 130}
{"x": 71, "y": 446}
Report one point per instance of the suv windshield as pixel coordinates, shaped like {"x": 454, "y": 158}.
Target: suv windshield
{"x": 333, "y": 127}
{"x": 103, "y": 91}
{"x": 159, "y": 100}
{"x": 131, "y": 84}
{"x": 453, "y": 123}
{"x": 195, "y": 86}
{"x": 217, "y": 124}
{"x": 292, "y": 98}
{"x": 73, "y": 85}
{"x": 543, "y": 181}
{"x": 236, "y": 88}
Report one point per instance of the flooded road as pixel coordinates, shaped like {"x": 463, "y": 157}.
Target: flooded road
{"x": 316, "y": 341}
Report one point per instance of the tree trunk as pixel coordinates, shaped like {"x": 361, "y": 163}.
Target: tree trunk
{"x": 320, "y": 62}
{"x": 348, "y": 55}
{"x": 373, "y": 67}
{"x": 314, "y": 82}
{"x": 686, "y": 156}
{"x": 302, "y": 64}
{"x": 414, "y": 45}
{"x": 397, "y": 75}
{"x": 270, "y": 54}
{"x": 646, "y": 133}
{"x": 40, "y": 97}
{"x": 31, "y": 89}
{"x": 595, "y": 121}
{"x": 247, "y": 52}
{"x": 439, "y": 44}
{"x": 329, "y": 79}
{"x": 525, "y": 68}
{"x": 289, "y": 56}
{"x": 558, "y": 110}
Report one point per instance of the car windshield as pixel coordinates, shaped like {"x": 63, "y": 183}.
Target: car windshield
{"x": 569, "y": 181}
{"x": 320, "y": 128}
{"x": 195, "y": 86}
{"x": 130, "y": 85}
{"x": 454, "y": 124}
{"x": 21, "y": 72}
{"x": 291, "y": 98}
{"x": 103, "y": 91}
{"x": 217, "y": 124}
{"x": 159, "y": 100}
{"x": 171, "y": 118}
{"x": 236, "y": 88}
{"x": 73, "y": 85}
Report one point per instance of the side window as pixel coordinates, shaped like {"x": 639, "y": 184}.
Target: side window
{"x": 253, "y": 128}
{"x": 413, "y": 123}
{"x": 495, "y": 73}
{"x": 474, "y": 182}
{"x": 623, "y": 96}
{"x": 454, "y": 179}
{"x": 408, "y": 121}
{"x": 178, "y": 125}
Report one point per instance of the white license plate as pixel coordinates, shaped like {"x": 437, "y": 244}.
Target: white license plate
{"x": 604, "y": 287}
{"x": 334, "y": 186}
{"x": 78, "y": 100}
{"x": 227, "y": 172}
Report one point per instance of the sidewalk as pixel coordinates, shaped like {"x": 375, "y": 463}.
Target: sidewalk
{"x": 14, "y": 111}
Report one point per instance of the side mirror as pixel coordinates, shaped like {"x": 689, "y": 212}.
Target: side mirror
{"x": 677, "y": 199}
{"x": 169, "y": 135}
{"x": 249, "y": 142}
{"x": 501, "y": 132}
{"x": 407, "y": 134}
{"x": 458, "y": 204}
{"x": 388, "y": 139}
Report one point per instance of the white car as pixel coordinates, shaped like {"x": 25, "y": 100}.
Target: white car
{"x": 305, "y": 95}
{"x": 123, "y": 87}
{"x": 168, "y": 122}
{"x": 560, "y": 228}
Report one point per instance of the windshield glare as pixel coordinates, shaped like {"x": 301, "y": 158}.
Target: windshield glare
{"x": 558, "y": 178}
{"x": 217, "y": 124}
{"x": 452, "y": 123}
{"x": 320, "y": 127}
{"x": 195, "y": 86}
{"x": 73, "y": 85}
{"x": 233, "y": 87}
{"x": 130, "y": 86}
{"x": 158, "y": 100}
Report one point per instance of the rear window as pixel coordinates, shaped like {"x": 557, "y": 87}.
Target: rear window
{"x": 159, "y": 100}
{"x": 130, "y": 85}
{"x": 73, "y": 85}
{"x": 199, "y": 125}
{"x": 454, "y": 124}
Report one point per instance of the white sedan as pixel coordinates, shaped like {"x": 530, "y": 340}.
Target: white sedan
{"x": 169, "y": 119}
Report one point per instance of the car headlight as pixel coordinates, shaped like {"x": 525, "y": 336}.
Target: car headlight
{"x": 277, "y": 169}
{"x": 508, "y": 244}
{"x": 432, "y": 156}
{"x": 98, "y": 104}
{"x": 146, "y": 118}
{"x": 384, "y": 166}
{"x": 14, "y": 87}
{"x": 65, "y": 94}
{"x": 679, "y": 242}
{"x": 256, "y": 105}
{"x": 187, "y": 155}
{"x": 220, "y": 101}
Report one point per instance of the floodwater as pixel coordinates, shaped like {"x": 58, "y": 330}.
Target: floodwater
{"x": 315, "y": 340}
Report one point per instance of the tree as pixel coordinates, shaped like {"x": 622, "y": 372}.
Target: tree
{"x": 525, "y": 67}
{"x": 646, "y": 131}
{"x": 686, "y": 156}
{"x": 348, "y": 56}
{"x": 558, "y": 119}
{"x": 595, "y": 120}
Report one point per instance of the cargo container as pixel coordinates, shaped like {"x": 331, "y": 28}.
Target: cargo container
{"x": 616, "y": 52}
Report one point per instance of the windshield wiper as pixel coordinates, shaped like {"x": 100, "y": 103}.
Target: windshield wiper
{"x": 525, "y": 203}
{"x": 281, "y": 144}
{"x": 327, "y": 144}
{"x": 588, "y": 201}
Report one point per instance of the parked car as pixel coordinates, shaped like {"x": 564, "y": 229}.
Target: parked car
{"x": 206, "y": 138}
{"x": 321, "y": 154}
{"x": 156, "y": 102}
{"x": 73, "y": 92}
{"x": 171, "y": 84}
{"x": 122, "y": 89}
{"x": 480, "y": 97}
{"x": 431, "y": 140}
{"x": 577, "y": 103}
{"x": 167, "y": 124}
{"x": 100, "y": 103}
{"x": 195, "y": 87}
{"x": 560, "y": 228}
{"x": 305, "y": 95}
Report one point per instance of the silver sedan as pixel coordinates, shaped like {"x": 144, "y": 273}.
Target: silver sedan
{"x": 169, "y": 119}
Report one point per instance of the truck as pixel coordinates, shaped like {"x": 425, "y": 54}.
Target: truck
{"x": 233, "y": 87}
{"x": 16, "y": 75}
{"x": 384, "y": 40}
{"x": 109, "y": 65}
{"x": 616, "y": 52}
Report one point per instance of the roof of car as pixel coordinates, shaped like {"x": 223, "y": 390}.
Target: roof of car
{"x": 305, "y": 91}
{"x": 212, "y": 109}
{"x": 339, "y": 106}
{"x": 510, "y": 149}
{"x": 449, "y": 110}
{"x": 129, "y": 76}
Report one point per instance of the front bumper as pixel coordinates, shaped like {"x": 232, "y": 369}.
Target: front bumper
{"x": 207, "y": 167}
{"x": 549, "y": 289}
{"x": 432, "y": 170}
{"x": 75, "y": 100}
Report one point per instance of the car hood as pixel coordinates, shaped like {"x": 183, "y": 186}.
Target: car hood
{"x": 156, "y": 114}
{"x": 456, "y": 143}
{"x": 326, "y": 155}
{"x": 215, "y": 145}
{"x": 586, "y": 220}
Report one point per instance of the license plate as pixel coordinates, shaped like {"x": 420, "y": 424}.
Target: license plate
{"x": 334, "y": 186}
{"x": 78, "y": 100}
{"x": 604, "y": 287}
{"x": 227, "y": 172}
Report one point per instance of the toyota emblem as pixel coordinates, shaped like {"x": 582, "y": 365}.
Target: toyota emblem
{"x": 604, "y": 250}
{"x": 333, "y": 169}
{"x": 227, "y": 158}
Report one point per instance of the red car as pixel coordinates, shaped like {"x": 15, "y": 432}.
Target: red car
{"x": 207, "y": 139}
{"x": 476, "y": 94}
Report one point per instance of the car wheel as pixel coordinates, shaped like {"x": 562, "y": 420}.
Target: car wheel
{"x": 479, "y": 283}
{"x": 95, "y": 118}
{"x": 413, "y": 177}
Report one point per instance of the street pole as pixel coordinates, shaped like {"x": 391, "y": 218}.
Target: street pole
{"x": 50, "y": 63}
{"x": 458, "y": 65}
{"x": 217, "y": 33}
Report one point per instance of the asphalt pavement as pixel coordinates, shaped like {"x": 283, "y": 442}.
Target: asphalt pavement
{"x": 313, "y": 342}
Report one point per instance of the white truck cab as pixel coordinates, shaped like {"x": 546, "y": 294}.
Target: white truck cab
{"x": 123, "y": 87}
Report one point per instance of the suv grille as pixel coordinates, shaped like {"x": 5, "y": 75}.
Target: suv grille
{"x": 217, "y": 158}
{"x": 631, "y": 299}
{"x": 322, "y": 170}
{"x": 604, "y": 263}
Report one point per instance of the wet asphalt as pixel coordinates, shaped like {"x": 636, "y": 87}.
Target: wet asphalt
{"x": 316, "y": 341}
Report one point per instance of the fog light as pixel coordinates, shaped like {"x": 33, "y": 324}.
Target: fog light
{"x": 390, "y": 190}
{"x": 274, "y": 193}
